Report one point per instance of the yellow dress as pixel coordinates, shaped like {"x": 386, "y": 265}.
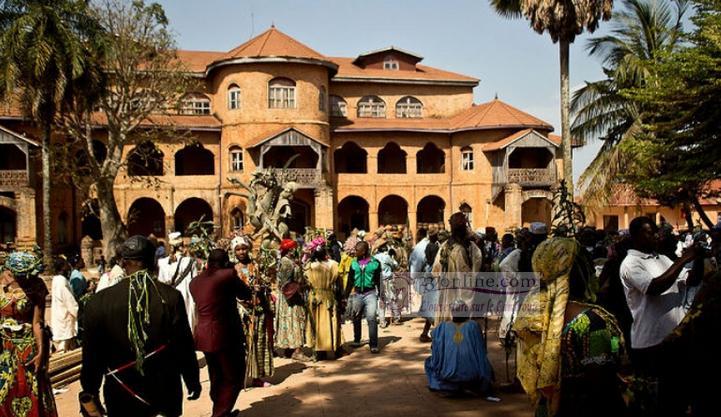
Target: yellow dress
{"x": 324, "y": 327}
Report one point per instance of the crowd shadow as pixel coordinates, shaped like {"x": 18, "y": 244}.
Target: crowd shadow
{"x": 282, "y": 373}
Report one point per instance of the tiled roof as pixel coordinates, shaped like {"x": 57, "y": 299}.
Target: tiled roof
{"x": 439, "y": 125}
{"x": 346, "y": 69}
{"x": 496, "y": 115}
{"x": 198, "y": 61}
{"x": 273, "y": 43}
{"x": 178, "y": 121}
{"x": 502, "y": 143}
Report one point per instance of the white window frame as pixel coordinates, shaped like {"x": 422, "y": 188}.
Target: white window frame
{"x": 371, "y": 108}
{"x": 338, "y": 107}
{"x": 467, "y": 160}
{"x": 391, "y": 64}
{"x": 234, "y": 98}
{"x": 195, "y": 106}
{"x": 281, "y": 96}
{"x": 236, "y": 160}
{"x": 409, "y": 108}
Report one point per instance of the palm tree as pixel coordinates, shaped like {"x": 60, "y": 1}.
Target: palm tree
{"x": 42, "y": 51}
{"x": 563, "y": 20}
{"x": 641, "y": 35}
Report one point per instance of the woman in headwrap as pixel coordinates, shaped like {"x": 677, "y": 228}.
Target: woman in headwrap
{"x": 24, "y": 383}
{"x": 569, "y": 351}
{"x": 290, "y": 317}
{"x": 323, "y": 279}
{"x": 258, "y": 314}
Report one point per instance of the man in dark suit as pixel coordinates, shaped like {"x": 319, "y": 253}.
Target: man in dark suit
{"x": 142, "y": 363}
{"x": 219, "y": 332}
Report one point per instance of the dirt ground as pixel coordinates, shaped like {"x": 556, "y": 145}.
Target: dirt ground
{"x": 391, "y": 383}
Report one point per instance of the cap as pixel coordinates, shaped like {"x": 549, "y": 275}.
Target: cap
{"x": 138, "y": 248}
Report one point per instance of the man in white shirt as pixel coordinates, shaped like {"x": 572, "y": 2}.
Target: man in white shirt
{"x": 63, "y": 308}
{"x": 177, "y": 270}
{"x": 655, "y": 289}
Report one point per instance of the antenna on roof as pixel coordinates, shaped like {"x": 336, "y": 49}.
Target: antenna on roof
{"x": 252, "y": 24}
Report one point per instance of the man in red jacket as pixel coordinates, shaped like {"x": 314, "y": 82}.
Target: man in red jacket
{"x": 219, "y": 332}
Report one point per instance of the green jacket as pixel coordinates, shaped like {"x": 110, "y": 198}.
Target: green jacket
{"x": 365, "y": 278}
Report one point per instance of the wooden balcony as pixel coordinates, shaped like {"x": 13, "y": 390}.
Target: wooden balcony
{"x": 532, "y": 177}
{"x": 305, "y": 177}
{"x": 14, "y": 178}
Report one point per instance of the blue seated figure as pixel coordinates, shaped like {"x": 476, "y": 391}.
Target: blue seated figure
{"x": 458, "y": 362}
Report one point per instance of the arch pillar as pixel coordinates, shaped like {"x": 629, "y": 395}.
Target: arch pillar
{"x": 324, "y": 212}
{"x": 513, "y": 205}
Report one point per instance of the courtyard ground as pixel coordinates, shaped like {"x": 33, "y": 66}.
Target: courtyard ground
{"x": 392, "y": 383}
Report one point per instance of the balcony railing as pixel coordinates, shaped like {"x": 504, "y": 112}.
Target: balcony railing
{"x": 305, "y": 177}
{"x": 531, "y": 176}
{"x": 14, "y": 178}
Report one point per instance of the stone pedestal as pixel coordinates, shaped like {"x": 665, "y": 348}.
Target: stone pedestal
{"x": 513, "y": 205}
{"x": 86, "y": 251}
{"x": 324, "y": 213}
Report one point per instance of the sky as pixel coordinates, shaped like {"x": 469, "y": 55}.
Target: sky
{"x": 464, "y": 36}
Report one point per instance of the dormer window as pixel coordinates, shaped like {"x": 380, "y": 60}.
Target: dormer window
{"x": 338, "y": 107}
{"x": 409, "y": 108}
{"x": 391, "y": 64}
{"x": 371, "y": 106}
{"x": 195, "y": 104}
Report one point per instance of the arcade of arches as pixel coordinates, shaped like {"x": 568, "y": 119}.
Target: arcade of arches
{"x": 190, "y": 210}
{"x": 146, "y": 216}
{"x": 351, "y": 159}
{"x": 353, "y": 214}
{"x": 194, "y": 160}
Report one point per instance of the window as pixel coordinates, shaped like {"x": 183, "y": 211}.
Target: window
{"x": 371, "y": 106}
{"x": 409, "y": 107}
{"x": 467, "y": 159}
{"x": 338, "y": 107}
{"x": 391, "y": 64}
{"x": 281, "y": 93}
{"x": 236, "y": 216}
{"x": 233, "y": 97}
{"x": 195, "y": 104}
{"x": 322, "y": 106}
{"x": 236, "y": 159}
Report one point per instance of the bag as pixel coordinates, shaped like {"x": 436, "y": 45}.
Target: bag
{"x": 291, "y": 292}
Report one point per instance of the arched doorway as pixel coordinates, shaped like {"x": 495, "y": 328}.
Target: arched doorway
{"x": 352, "y": 214}
{"x": 302, "y": 213}
{"x": 146, "y": 216}
{"x": 194, "y": 160}
{"x": 8, "y": 225}
{"x": 90, "y": 225}
{"x": 350, "y": 159}
{"x": 430, "y": 211}
{"x": 144, "y": 160}
{"x": 392, "y": 159}
{"x": 392, "y": 209}
{"x": 536, "y": 210}
{"x": 430, "y": 160}
{"x": 191, "y": 210}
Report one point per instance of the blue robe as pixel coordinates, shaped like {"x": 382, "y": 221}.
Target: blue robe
{"x": 458, "y": 358}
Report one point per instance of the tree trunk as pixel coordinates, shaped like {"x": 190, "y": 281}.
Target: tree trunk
{"x": 702, "y": 213}
{"x": 114, "y": 231}
{"x": 47, "y": 232}
{"x": 566, "y": 148}
{"x": 687, "y": 214}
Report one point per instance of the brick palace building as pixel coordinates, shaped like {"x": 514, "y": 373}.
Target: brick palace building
{"x": 381, "y": 140}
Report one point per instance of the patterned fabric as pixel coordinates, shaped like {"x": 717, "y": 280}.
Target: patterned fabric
{"x": 289, "y": 320}
{"x": 540, "y": 322}
{"x": 258, "y": 317}
{"x": 24, "y": 264}
{"x": 23, "y": 392}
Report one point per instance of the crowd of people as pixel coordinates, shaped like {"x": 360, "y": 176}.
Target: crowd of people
{"x": 612, "y": 314}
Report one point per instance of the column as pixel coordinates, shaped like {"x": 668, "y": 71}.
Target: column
{"x": 26, "y": 221}
{"x": 513, "y": 205}
{"x": 625, "y": 217}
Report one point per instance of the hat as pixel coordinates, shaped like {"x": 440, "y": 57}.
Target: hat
{"x": 174, "y": 239}
{"x": 539, "y": 228}
{"x": 287, "y": 245}
{"x": 444, "y": 235}
{"x": 137, "y": 248}
{"x": 240, "y": 241}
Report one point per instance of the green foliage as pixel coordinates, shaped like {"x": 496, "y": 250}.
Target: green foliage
{"x": 641, "y": 34}
{"x": 678, "y": 151}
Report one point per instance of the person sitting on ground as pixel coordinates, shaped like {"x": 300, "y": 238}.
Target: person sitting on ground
{"x": 458, "y": 361}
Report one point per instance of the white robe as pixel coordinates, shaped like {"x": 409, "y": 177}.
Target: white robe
{"x": 166, "y": 272}
{"x": 63, "y": 310}
{"x": 509, "y": 268}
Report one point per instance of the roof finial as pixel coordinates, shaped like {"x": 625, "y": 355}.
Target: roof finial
{"x": 496, "y": 98}
{"x": 272, "y": 25}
